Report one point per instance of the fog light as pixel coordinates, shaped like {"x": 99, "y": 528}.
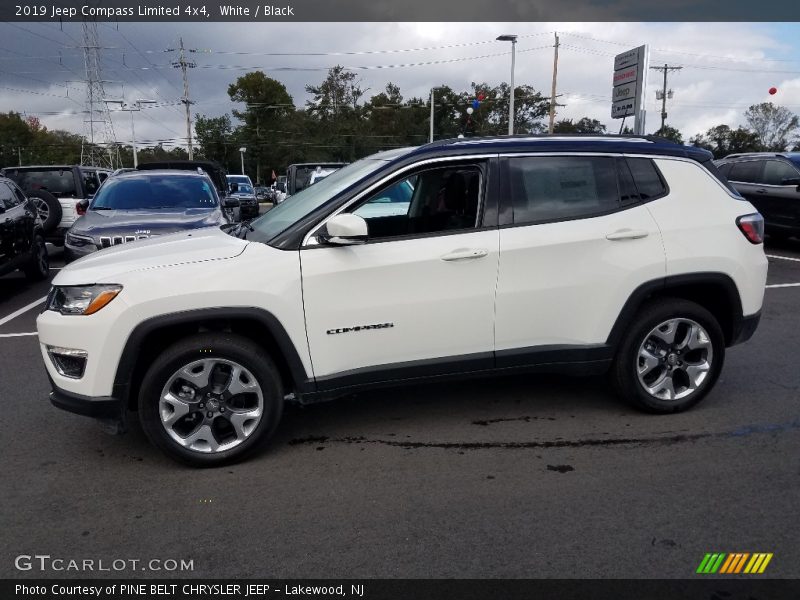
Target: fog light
{"x": 68, "y": 362}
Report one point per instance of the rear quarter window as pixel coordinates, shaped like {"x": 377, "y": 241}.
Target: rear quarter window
{"x": 648, "y": 179}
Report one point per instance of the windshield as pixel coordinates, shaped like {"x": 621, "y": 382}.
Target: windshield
{"x": 59, "y": 182}
{"x": 294, "y": 208}
{"x": 155, "y": 191}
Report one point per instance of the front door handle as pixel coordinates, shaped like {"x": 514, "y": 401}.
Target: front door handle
{"x": 465, "y": 254}
{"x": 627, "y": 234}
{"x": 761, "y": 191}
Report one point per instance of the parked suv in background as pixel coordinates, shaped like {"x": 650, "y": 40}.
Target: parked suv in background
{"x": 22, "y": 243}
{"x": 58, "y": 191}
{"x": 137, "y": 205}
{"x": 518, "y": 254}
{"x": 771, "y": 182}
{"x": 245, "y": 194}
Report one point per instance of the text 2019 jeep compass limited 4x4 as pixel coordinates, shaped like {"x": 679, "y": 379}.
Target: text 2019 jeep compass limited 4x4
{"x": 592, "y": 254}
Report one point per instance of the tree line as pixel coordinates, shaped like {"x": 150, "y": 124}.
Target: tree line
{"x": 339, "y": 123}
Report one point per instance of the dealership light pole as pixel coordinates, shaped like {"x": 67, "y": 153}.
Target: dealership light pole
{"x": 242, "y": 150}
{"x": 513, "y": 39}
{"x": 438, "y": 87}
{"x": 131, "y": 108}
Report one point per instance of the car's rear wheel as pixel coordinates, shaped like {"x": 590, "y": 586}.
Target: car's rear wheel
{"x": 670, "y": 358}
{"x": 211, "y": 399}
{"x": 38, "y": 266}
{"x": 48, "y": 208}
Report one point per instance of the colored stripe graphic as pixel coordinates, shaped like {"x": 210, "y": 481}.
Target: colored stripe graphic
{"x": 734, "y": 563}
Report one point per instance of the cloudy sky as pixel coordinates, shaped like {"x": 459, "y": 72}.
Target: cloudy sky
{"x": 726, "y": 66}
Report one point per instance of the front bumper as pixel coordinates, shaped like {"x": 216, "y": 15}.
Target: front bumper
{"x": 110, "y": 410}
{"x": 744, "y": 329}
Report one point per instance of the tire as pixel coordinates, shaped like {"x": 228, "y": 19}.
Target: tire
{"x": 38, "y": 266}
{"x": 48, "y": 207}
{"x": 196, "y": 428}
{"x": 676, "y": 376}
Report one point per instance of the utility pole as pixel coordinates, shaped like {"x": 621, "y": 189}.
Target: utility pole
{"x": 553, "y": 89}
{"x": 131, "y": 108}
{"x": 184, "y": 65}
{"x": 664, "y": 93}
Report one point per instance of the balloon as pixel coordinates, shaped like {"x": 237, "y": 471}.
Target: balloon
{"x": 481, "y": 96}
{"x": 475, "y": 104}
{"x": 470, "y": 110}
{"x": 773, "y": 91}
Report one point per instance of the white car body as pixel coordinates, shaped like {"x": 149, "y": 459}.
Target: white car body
{"x": 553, "y": 287}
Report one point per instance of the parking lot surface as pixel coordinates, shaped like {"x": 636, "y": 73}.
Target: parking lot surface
{"x": 517, "y": 477}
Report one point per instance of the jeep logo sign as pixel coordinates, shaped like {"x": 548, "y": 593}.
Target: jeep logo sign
{"x": 628, "y": 85}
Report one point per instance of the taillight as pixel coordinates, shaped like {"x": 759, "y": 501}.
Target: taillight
{"x": 79, "y": 208}
{"x": 752, "y": 226}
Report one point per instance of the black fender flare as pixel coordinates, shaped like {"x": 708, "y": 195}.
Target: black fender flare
{"x": 128, "y": 359}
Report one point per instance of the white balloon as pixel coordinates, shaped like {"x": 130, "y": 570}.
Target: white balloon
{"x": 470, "y": 110}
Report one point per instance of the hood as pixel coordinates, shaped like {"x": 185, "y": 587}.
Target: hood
{"x": 210, "y": 243}
{"x": 146, "y": 222}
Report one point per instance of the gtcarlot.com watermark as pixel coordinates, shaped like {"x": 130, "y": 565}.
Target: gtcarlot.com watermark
{"x": 45, "y": 563}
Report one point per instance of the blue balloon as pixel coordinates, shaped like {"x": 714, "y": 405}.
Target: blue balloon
{"x": 475, "y": 104}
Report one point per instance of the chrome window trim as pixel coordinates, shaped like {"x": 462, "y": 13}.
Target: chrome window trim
{"x": 307, "y": 242}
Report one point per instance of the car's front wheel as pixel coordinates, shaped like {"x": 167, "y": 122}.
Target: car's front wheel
{"x": 670, "y": 357}
{"x": 211, "y": 399}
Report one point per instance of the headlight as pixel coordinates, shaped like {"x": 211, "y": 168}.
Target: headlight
{"x": 82, "y": 300}
{"x": 79, "y": 241}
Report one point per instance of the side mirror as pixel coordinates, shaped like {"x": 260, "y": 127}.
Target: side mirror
{"x": 230, "y": 202}
{"x": 84, "y": 204}
{"x": 345, "y": 229}
{"x": 792, "y": 181}
{"x": 2, "y": 209}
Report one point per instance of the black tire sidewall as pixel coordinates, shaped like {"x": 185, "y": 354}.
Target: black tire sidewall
{"x": 625, "y": 377}
{"x": 54, "y": 217}
{"x": 203, "y": 346}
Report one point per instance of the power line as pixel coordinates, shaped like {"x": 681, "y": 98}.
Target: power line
{"x": 184, "y": 65}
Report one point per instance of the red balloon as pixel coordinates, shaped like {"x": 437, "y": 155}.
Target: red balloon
{"x": 481, "y": 96}
{"x": 773, "y": 91}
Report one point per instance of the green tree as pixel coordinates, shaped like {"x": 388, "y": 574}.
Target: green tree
{"x": 670, "y": 133}
{"x": 721, "y": 140}
{"x": 773, "y": 125}
{"x": 584, "y": 125}
{"x": 215, "y": 139}
{"x": 15, "y": 138}
{"x": 267, "y": 107}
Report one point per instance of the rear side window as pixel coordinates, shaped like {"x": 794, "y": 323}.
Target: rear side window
{"x": 552, "y": 188}
{"x": 747, "y": 171}
{"x": 648, "y": 180}
{"x": 775, "y": 171}
{"x": 6, "y": 197}
{"x": 721, "y": 174}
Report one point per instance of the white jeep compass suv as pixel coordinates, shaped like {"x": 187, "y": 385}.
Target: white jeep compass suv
{"x": 626, "y": 255}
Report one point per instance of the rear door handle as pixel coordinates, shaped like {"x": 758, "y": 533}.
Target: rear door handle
{"x": 465, "y": 254}
{"x": 761, "y": 191}
{"x": 627, "y": 234}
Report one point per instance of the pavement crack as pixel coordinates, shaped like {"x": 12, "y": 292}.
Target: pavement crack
{"x": 660, "y": 440}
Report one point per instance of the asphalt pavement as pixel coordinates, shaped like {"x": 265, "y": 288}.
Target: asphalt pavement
{"x": 518, "y": 477}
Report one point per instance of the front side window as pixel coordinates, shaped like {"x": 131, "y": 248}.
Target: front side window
{"x": 551, "y": 188}
{"x": 748, "y": 171}
{"x": 90, "y": 182}
{"x": 775, "y": 171}
{"x": 431, "y": 201}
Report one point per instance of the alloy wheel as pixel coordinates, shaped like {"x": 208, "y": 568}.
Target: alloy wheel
{"x": 42, "y": 209}
{"x": 211, "y": 405}
{"x": 674, "y": 359}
